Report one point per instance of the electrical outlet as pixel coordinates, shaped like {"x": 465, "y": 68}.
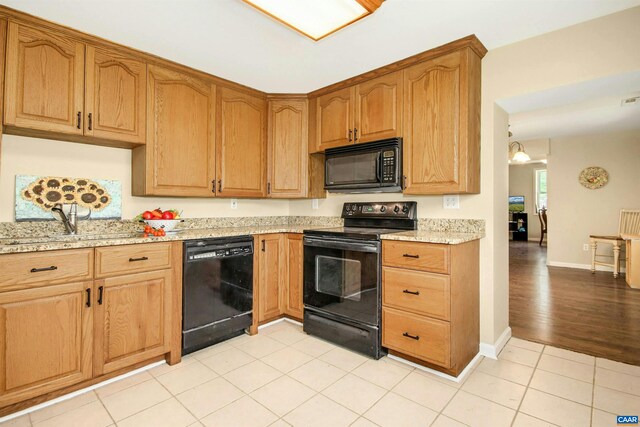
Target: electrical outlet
{"x": 234, "y": 203}
{"x": 585, "y": 247}
{"x": 314, "y": 203}
{"x": 451, "y": 201}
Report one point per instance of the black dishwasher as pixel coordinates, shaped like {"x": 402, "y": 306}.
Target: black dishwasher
{"x": 217, "y": 290}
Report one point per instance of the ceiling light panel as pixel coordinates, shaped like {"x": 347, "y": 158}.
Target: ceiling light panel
{"x": 315, "y": 18}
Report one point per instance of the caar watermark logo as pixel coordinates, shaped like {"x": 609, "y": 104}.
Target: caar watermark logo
{"x": 627, "y": 420}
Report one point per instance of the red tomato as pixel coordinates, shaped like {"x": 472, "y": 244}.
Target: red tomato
{"x": 145, "y": 235}
{"x": 167, "y": 215}
{"x": 147, "y": 215}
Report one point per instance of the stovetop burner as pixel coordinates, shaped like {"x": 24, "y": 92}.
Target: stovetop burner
{"x": 368, "y": 221}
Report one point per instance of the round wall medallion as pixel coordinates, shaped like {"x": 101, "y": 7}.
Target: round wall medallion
{"x": 593, "y": 177}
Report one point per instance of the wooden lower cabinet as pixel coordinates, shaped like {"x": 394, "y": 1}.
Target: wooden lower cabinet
{"x": 132, "y": 319}
{"x": 293, "y": 305}
{"x": 61, "y": 330}
{"x": 277, "y": 283}
{"x": 46, "y": 340}
{"x": 430, "y": 305}
{"x": 270, "y": 275}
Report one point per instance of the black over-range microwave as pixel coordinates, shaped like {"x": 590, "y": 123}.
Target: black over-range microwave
{"x": 372, "y": 167}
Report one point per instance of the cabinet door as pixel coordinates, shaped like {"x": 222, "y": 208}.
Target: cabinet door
{"x": 293, "y": 295}
{"x": 45, "y": 340}
{"x": 432, "y": 132}
{"x": 132, "y": 319}
{"x": 379, "y": 108}
{"x": 270, "y": 270}
{"x": 288, "y": 146}
{"x": 115, "y": 96}
{"x": 44, "y": 80}
{"x": 241, "y": 144}
{"x": 334, "y": 119}
{"x": 179, "y": 156}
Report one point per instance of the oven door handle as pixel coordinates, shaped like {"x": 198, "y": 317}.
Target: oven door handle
{"x": 342, "y": 245}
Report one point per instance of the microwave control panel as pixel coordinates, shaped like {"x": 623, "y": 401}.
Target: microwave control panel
{"x": 389, "y": 169}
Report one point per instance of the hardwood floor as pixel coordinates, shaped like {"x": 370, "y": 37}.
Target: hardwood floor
{"x": 570, "y": 308}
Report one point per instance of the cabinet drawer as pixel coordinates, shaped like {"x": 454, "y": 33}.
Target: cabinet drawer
{"x": 33, "y": 269}
{"x": 417, "y": 336}
{"x": 119, "y": 260}
{"x": 418, "y": 256}
{"x": 416, "y": 291}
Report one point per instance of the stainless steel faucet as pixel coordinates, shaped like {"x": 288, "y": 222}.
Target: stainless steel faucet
{"x": 70, "y": 222}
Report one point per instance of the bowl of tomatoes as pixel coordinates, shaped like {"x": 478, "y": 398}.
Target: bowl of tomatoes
{"x": 158, "y": 219}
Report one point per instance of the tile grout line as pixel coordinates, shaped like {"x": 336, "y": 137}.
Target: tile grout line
{"x": 105, "y": 408}
{"x": 535, "y": 368}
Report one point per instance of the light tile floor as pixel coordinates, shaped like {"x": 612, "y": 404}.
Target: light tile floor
{"x": 283, "y": 377}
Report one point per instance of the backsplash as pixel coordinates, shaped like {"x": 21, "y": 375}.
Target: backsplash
{"x": 48, "y": 228}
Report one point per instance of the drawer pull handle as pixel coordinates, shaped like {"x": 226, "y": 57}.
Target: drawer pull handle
{"x": 410, "y": 256}
{"x": 100, "y": 292}
{"x": 142, "y": 258}
{"x": 38, "y": 270}
{"x": 407, "y": 291}
{"x": 413, "y": 337}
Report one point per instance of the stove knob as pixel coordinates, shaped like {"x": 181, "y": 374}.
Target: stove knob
{"x": 383, "y": 208}
{"x": 405, "y": 209}
{"x": 396, "y": 209}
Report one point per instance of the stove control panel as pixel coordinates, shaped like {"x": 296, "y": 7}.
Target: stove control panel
{"x": 402, "y": 210}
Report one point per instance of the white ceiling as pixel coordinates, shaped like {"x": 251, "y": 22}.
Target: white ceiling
{"x": 232, "y": 40}
{"x": 587, "y": 107}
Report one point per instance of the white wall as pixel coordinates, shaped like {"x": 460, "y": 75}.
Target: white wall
{"x": 575, "y": 212}
{"x": 31, "y": 156}
{"x": 522, "y": 183}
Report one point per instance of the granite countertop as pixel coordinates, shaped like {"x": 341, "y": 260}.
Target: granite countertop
{"x": 43, "y": 238}
{"x": 32, "y": 244}
{"x": 429, "y": 236}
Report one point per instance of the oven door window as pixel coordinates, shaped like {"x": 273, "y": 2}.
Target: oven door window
{"x": 350, "y": 169}
{"x": 339, "y": 277}
{"x": 342, "y": 282}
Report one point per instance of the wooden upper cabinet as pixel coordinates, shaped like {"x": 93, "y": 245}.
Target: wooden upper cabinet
{"x": 179, "y": 156}
{"x": 241, "y": 144}
{"x": 334, "y": 119}
{"x": 288, "y": 148}
{"x": 44, "y": 80}
{"x": 45, "y": 340}
{"x": 441, "y": 130}
{"x": 132, "y": 319}
{"x": 115, "y": 96}
{"x": 378, "y": 105}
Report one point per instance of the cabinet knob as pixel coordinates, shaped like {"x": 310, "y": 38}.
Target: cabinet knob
{"x": 355, "y": 134}
{"x": 350, "y": 135}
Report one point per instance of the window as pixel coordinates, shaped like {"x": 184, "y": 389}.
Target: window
{"x": 541, "y": 189}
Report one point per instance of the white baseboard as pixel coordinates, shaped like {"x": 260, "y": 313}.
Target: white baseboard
{"x": 79, "y": 392}
{"x": 466, "y": 371}
{"x": 282, "y": 319}
{"x": 582, "y": 266}
{"x": 492, "y": 350}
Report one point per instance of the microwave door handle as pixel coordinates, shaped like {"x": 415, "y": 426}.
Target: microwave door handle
{"x": 379, "y": 168}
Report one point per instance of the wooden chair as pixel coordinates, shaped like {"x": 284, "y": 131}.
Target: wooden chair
{"x": 542, "y": 216}
{"x": 629, "y": 224}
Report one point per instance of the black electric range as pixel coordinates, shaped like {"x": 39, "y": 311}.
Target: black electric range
{"x": 342, "y": 274}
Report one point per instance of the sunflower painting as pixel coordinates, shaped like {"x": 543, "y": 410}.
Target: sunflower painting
{"x": 35, "y": 196}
